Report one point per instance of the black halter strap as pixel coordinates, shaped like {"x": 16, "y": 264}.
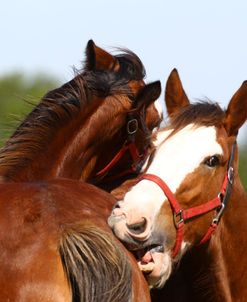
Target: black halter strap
{"x": 230, "y": 175}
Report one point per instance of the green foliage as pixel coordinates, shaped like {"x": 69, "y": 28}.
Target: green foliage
{"x": 17, "y": 92}
{"x": 243, "y": 166}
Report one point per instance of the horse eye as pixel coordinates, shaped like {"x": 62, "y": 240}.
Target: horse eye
{"x": 212, "y": 161}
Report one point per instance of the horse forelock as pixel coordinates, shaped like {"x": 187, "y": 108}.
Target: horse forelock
{"x": 199, "y": 114}
{"x": 96, "y": 268}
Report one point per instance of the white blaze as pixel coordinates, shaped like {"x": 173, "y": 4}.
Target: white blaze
{"x": 174, "y": 159}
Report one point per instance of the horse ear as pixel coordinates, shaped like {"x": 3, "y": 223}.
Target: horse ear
{"x": 175, "y": 97}
{"x": 147, "y": 95}
{"x": 236, "y": 113}
{"x": 99, "y": 59}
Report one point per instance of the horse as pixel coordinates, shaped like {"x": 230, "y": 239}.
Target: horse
{"x": 55, "y": 243}
{"x": 96, "y": 126}
{"x": 187, "y": 213}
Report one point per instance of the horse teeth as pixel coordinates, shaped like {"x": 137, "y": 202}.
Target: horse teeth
{"x": 146, "y": 268}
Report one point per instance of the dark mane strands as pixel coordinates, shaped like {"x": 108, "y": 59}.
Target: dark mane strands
{"x": 88, "y": 254}
{"x": 131, "y": 64}
{"x": 63, "y": 104}
{"x": 108, "y": 83}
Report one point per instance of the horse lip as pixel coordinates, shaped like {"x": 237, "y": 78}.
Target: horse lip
{"x": 152, "y": 247}
{"x": 146, "y": 259}
{"x": 135, "y": 244}
{"x": 132, "y": 244}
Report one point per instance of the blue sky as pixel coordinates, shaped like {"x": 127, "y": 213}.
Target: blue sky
{"x": 205, "y": 40}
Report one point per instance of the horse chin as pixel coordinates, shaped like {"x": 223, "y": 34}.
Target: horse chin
{"x": 153, "y": 261}
{"x": 156, "y": 266}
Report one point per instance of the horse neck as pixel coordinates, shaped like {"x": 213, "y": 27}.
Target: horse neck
{"x": 46, "y": 150}
{"x": 94, "y": 145}
{"x": 218, "y": 268}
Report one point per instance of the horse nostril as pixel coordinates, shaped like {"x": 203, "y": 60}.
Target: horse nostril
{"x": 116, "y": 206}
{"x": 117, "y": 210}
{"x": 139, "y": 227}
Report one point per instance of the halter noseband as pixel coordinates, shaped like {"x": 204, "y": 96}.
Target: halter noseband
{"x": 128, "y": 146}
{"x": 182, "y": 216}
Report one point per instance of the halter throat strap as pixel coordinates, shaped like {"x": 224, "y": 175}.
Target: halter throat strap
{"x": 182, "y": 216}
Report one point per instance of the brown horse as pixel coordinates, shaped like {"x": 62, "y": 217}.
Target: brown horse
{"x": 55, "y": 243}
{"x": 56, "y": 246}
{"x": 106, "y": 112}
{"x": 189, "y": 208}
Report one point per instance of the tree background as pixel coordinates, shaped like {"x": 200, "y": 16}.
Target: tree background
{"x": 19, "y": 93}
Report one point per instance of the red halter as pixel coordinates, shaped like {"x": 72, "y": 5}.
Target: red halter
{"x": 129, "y": 146}
{"x": 136, "y": 157}
{"x": 182, "y": 216}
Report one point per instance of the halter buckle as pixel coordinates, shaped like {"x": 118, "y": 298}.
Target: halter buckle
{"x": 220, "y": 212}
{"x": 178, "y": 218}
{"x": 132, "y": 126}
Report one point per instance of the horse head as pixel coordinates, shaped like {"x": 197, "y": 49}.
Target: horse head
{"x": 78, "y": 128}
{"x": 181, "y": 198}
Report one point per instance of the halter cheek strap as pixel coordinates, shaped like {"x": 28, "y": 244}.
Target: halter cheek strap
{"x": 182, "y": 216}
{"x": 128, "y": 146}
{"x": 136, "y": 157}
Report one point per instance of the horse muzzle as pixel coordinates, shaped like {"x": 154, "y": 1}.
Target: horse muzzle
{"x": 135, "y": 227}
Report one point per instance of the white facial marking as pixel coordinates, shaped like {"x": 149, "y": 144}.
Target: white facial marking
{"x": 159, "y": 108}
{"x": 184, "y": 247}
{"x": 174, "y": 159}
{"x": 182, "y": 153}
{"x": 160, "y": 137}
{"x": 139, "y": 201}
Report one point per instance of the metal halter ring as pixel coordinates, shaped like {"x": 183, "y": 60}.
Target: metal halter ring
{"x": 219, "y": 214}
{"x": 132, "y": 126}
{"x": 230, "y": 173}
